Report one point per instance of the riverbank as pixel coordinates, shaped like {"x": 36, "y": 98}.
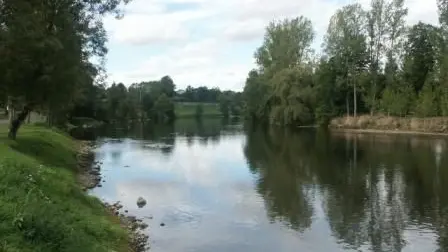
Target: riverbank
{"x": 391, "y": 125}
{"x": 43, "y": 206}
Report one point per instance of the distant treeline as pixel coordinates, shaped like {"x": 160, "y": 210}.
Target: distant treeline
{"x": 152, "y": 100}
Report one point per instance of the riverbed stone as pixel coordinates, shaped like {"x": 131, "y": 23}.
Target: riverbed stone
{"x": 141, "y": 202}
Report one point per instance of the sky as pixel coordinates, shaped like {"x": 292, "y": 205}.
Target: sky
{"x": 211, "y": 42}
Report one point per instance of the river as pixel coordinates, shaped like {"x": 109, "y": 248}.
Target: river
{"x": 217, "y": 186}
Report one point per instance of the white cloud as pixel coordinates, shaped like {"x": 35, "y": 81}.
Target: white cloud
{"x": 211, "y": 43}
{"x": 245, "y": 29}
{"x": 193, "y": 64}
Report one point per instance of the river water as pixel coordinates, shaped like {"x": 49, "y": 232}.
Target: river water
{"x": 220, "y": 186}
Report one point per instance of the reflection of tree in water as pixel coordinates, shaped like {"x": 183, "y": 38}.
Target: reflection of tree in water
{"x": 282, "y": 177}
{"x": 372, "y": 187}
{"x": 205, "y": 131}
{"x": 381, "y": 190}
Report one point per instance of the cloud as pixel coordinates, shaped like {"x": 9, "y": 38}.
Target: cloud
{"x": 205, "y": 42}
{"x": 193, "y": 64}
{"x": 245, "y": 29}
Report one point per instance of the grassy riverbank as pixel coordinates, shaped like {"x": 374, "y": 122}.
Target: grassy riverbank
{"x": 388, "y": 124}
{"x": 42, "y": 208}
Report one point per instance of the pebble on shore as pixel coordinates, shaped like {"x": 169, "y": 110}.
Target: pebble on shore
{"x": 90, "y": 177}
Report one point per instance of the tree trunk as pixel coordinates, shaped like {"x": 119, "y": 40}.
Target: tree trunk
{"x": 372, "y": 109}
{"x": 10, "y": 109}
{"x": 355, "y": 108}
{"x": 348, "y": 105}
{"x": 17, "y": 122}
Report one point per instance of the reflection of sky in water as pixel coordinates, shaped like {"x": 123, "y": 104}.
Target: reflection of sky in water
{"x": 206, "y": 196}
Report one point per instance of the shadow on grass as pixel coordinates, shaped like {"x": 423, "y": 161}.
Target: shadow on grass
{"x": 47, "y": 147}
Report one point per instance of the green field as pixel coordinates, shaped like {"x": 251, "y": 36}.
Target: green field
{"x": 43, "y": 209}
{"x": 188, "y": 109}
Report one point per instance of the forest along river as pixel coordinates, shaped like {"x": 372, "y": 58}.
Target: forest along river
{"x": 228, "y": 187}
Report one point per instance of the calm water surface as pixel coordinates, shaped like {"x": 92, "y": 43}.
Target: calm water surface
{"x": 228, "y": 187}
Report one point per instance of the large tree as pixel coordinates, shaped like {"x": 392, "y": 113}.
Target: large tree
{"x": 421, "y": 54}
{"x": 284, "y": 79}
{"x": 345, "y": 42}
{"x": 286, "y": 44}
{"x": 45, "y": 50}
{"x": 377, "y": 30}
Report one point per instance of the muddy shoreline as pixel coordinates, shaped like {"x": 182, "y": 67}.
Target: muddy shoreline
{"x": 436, "y": 126}
{"x": 89, "y": 177}
{"x": 387, "y": 132}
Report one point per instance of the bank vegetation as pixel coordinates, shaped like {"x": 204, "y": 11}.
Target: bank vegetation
{"x": 371, "y": 63}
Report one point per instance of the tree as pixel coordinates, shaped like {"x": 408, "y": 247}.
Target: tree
{"x": 164, "y": 108}
{"x": 398, "y": 101}
{"x": 286, "y": 45}
{"x": 168, "y": 86}
{"x": 421, "y": 54}
{"x": 426, "y": 103}
{"x": 371, "y": 62}
{"x": 45, "y": 46}
{"x": 292, "y": 97}
{"x": 256, "y": 95}
{"x": 345, "y": 42}
{"x": 329, "y": 97}
{"x": 283, "y": 61}
{"x": 224, "y": 105}
{"x": 396, "y": 14}
{"x": 443, "y": 12}
{"x": 377, "y": 29}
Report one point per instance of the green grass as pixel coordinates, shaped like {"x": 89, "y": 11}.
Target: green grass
{"x": 188, "y": 109}
{"x": 42, "y": 208}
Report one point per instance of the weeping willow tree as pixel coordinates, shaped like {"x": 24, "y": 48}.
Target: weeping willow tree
{"x": 292, "y": 97}
{"x": 280, "y": 89}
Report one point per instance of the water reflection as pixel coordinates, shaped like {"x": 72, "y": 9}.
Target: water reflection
{"x": 379, "y": 193}
{"x": 220, "y": 186}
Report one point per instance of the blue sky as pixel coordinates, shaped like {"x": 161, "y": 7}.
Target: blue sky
{"x": 211, "y": 42}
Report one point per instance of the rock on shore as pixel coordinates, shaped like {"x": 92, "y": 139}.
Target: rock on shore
{"x": 138, "y": 240}
{"x": 89, "y": 176}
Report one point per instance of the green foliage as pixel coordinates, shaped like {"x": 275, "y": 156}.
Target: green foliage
{"x": 292, "y": 97}
{"x": 256, "y": 96}
{"x": 281, "y": 92}
{"x": 443, "y": 101}
{"x": 200, "y": 94}
{"x": 43, "y": 208}
{"x": 426, "y": 102}
{"x": 372, "y": 62}
{"x": 326, "y": 92}
{"x": 164, "y": 108}
{"x": 44, "y": 47}
{"x": 224, "y": 105}
{"x": 286, "y": 44}
{"x": 421, "y": 54}
{"x": 397, "y": 101}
